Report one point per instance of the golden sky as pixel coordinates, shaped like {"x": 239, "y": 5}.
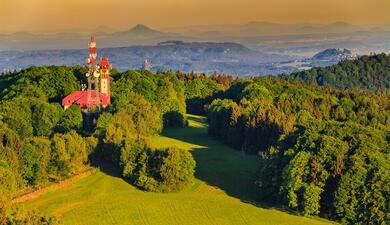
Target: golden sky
{"x": 51, "y": 15}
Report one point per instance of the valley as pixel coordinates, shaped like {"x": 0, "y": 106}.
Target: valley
{"x": 221, "y": 194}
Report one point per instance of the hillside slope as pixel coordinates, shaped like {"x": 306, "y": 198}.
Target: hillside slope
{"x": 216, "y": 197}
{"x": 366, "y": 72}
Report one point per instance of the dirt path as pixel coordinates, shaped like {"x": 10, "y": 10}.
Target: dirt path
{"x": 35, "y": 193}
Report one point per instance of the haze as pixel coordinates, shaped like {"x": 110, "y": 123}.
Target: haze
{"x": 56, "y": 15}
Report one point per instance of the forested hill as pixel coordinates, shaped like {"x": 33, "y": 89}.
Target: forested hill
{"x": 41, "y": 143}
{"x": 325, "y": 151}
{"x": 366, "y": 72}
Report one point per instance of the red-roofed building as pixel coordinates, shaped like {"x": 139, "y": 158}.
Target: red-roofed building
{"x": 81, "y": 98}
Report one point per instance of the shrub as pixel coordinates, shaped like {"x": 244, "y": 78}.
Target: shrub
{"x": 174, "y": 119}
{"x": 30, "y": 217}
{"x": 158, "y": 170}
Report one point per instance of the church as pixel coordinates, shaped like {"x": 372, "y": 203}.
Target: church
{"x": 97, "y": 93}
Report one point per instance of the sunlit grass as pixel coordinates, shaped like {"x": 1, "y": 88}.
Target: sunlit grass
{"x": 218, "y": 196}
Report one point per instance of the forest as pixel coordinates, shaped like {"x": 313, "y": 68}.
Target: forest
{"x": 323, "y": 143}
{"x": 366, "y": 72}
{"x": 326, "y": 150}
{"x": 41, "y": 143}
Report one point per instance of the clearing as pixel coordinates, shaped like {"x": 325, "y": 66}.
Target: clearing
{"x": 221, "y": 194}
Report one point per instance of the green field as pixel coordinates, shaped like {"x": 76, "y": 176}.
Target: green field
{"x": 221, "y": 194}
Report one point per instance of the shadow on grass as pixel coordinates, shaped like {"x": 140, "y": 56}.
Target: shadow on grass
{"x": 197, "y": 118}
{"x": 110, "y": 170}
{"x": 218, "y": 165}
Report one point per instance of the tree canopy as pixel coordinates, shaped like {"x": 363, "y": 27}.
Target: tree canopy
{"x": 324, "y": 150}
{"x": 366, "y": 72}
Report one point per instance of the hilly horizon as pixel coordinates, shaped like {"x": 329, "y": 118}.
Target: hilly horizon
{"x": 269, "y": 38}
{"x": 207, "y": 57}
{"x": 269, "y": 54}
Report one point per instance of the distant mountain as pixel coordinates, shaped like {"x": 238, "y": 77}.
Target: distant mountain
{"x": 340, "y": 25}
{"x": 231, "y": 58}
{"x": 137, "y": 35}
{"x": 337, "y": 27}
{"x": 298, "y": 40}
{"x": 22, "y": 34}
{"x": 267, "y": 28}
{"x": 141, "y": 30}
{"x": 333, "y": 54}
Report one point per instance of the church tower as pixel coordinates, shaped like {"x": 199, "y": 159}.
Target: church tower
{"x": 105, "y": 68}
{"x": 97, "y": 93}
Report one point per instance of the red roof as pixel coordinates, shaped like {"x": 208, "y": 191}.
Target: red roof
{"x": 81, "y": 98}
{"x": 104, "y": 64}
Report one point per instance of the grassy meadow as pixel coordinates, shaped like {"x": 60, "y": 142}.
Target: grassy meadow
{"x": 221, "y": 194}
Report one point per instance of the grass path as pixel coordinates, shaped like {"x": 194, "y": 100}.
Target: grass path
{"x": 219, "y": 195}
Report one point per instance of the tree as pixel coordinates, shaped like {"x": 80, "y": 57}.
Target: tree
{"x": 311, "y": 199}
{"x": 45, "y": 118}
{"x": 72, "y": 119}
{"x": 11, "y": 147}
{"x": 165, "y": 170}
{"x": 36, "y": 160}
{"x": 69, "y": 154}
{"x": 177, "y": 169}
{"x": 16, "y": 113}
{"x": 294, "y": 176}
{"x": 366, "y": 72}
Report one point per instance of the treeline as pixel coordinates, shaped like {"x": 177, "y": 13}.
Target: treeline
{"x": 201, "y": 89}
{"x": 366, "y": 72}
{"x": 163, "y": 90}
{"x": 41, "y": 143}
{"x": 325, "y": 151}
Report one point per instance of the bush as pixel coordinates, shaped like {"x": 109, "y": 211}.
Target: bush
{"x": 21, "y": 216}
{"x": 177, "y": 168}
{"x": 174, "y": 119}
{"x": 161, "y": 170}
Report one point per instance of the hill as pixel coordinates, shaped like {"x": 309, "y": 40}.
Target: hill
{"x": 295, "y": 144}
{"x": 333, "y": 54}
{"x": 324, "y": 150}
{"x": 227, "y": 57}
{"x": 141, "y": 29}
{"x": 366, "y": 72}
{"x": 214, "y": 198}
{"x": 287, "y": 39}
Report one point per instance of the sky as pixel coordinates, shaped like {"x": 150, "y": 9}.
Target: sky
{"x": 59, "y": 15}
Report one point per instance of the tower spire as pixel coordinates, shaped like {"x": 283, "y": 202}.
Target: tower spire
{"x": 93, "y": 77}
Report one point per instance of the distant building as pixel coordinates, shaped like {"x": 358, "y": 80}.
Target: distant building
{"x": 147, "y": 65}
